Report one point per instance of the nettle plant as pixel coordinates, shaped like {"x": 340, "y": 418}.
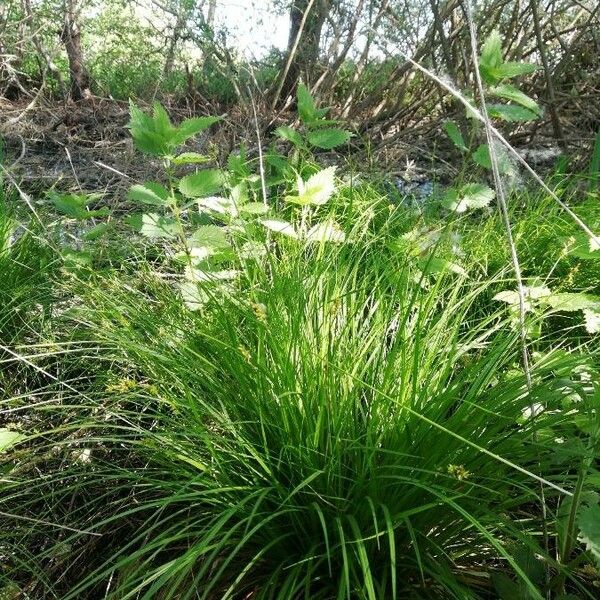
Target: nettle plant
{"x": 214, "y": 222}
{"x": 505, "y": 103}
{"x": 540, "y": 301}
{"x": 315, "y": 130}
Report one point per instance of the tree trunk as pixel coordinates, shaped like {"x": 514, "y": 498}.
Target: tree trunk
{"x": 210, "y": 18}
{"x": 71, "y": 37}
{"x": 180, "y": 23}
{"x": 306, "y": 53}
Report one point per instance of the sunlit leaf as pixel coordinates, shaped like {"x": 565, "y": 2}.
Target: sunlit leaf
{"x": 326, "y": 232}
{"x": 211, "y": 236}
{"x": 282, "y": 227}
{"x": 202, "y": 183}
{"x": 470, "y": 196}
{"x": 145, "y": 195}
{"x": 190, "y": 127}
{"x": 317, "y": 189}
{"x": 306, "y": 104}
{"x": 328, "y": 138}
{"x": 155, "y": 226}
{"x": 491, "y": 56}
{"x": 436, "y": 264}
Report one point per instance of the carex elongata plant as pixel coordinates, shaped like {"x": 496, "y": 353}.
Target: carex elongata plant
{"x": 341, "y": 425}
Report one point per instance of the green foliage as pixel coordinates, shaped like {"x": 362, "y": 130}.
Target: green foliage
{"x": 293, "y": 389}
{"x": 318, "y": 132}
{"x": 157, "y": 135}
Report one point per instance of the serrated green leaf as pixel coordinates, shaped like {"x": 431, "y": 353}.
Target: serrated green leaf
{"x": 155, "y": 226}
{"x": 290, "y": 134}
{"x": 145, "y": 195}
{"x": 190, "y": 127}
{"x": 482, "y": 157}
{"x": 190, "y": 158}
{"x": 75, "y": 206}
{"x": 455, "y": 135}
{"x": 150, "y": 134}
{"x": 210, "y": 236}
{"x": 282, "y": 227}
{"x": 511, "y": 113}
{"x": 328, "y": 138}
{"x": 508, "y": 70}
{"x": 162, "y": 122}
{"x": 491, "y": 56}
{"x": 317, "y": 189}
{"x": 97, "y": 231}
{"x": 202, "y": 183}
{"x": 254, "y": 208}
{"x": 436, "y": 264}
{"x": 306, "y": 104}
{"x": 572, "y": 301}
{"x": 582, "y": 246}
{"x": 470, "y": 196}
{"x": 326, "y": 232}
{"x": 510, "y": 92}
{"x": 589, "y": 530}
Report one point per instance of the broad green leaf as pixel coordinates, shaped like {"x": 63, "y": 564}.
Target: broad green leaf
{"x": 328, "y": 138}
{"x": 306, "y": 104}
{"x": 254, "y": 208}
{"x": 190, "y": 127}
{"x": 190, "y": 158}
{"x": 510, "y": 92}
{"x": 217, "y": 204}
{"x": 482, "y": 157}
{"x": 73, "y": 259}
{"x": 582, "y": 246}
{"x": 9, "y": 438}
{"x": 572, "y": 301}
{"x": 326, "y": 232}
{"x": 97, "y": 231}
{"x": 146, "y": 195}
{"x": 511, "y": 113}
{"x": 162, "y": 123}
{"x": 155, "y": 134}
{"x": 75, "y": 206}
{"x": 509, "y": 70}
{"x": 282, "y": 227}
{"x": 154, "y": 226}
{"x": 202, "y": 183}
{"x": 317, "y": 189}
{"x": 589, "y": 530}
{"x": 211, "y": 236}
{"x": 470, "y": 196}
{"x": 509, "y": 296}
{"x": 290, "y": 134}
{"x": 455, "y": 135}
{"x": 193, "y": 296}
{"x": 491, "y": 56}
